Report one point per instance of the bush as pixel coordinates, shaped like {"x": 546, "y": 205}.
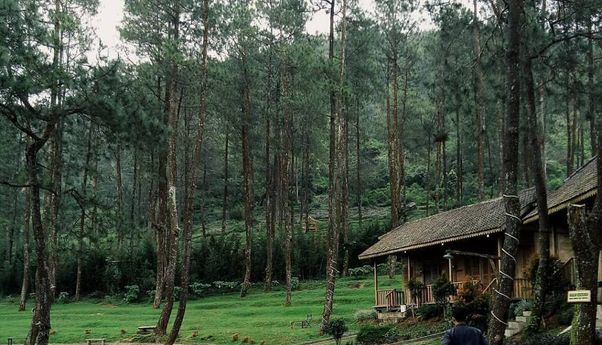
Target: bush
{"x": 415, "y": 288}
{"x": 429, "y": 311}
{"x": 198, "y": 289}
{"x": 478, "y": 310}
{"x": 468, "y": 292}
{"x": 442, "y": 288}
{"x": 295, "y": 283}
{"x": 63, "y": 298}
{"x": 365, "y": 315}
{"x": 375, "y": 335}
{"x": 543, "y": 339}
{"x": 521, "y": 306}
{"x": 132, "y": 292}
{"x": 360, "y": 271}
{"x": 336, "y": 328}
{"x": 565, "y": 316}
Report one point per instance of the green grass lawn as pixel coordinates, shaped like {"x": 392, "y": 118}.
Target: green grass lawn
{"x": 260, "y": 316}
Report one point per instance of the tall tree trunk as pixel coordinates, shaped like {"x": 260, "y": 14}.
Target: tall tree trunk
{"x": 269, "y": 174}
{"x": 501, "y": 130}
{"x": 333, "y": 240}
{"x": 459, "y": 161}
{"x": 569, "y": 129}
{"x": 358, "y": 167}
{"x": 285, "y": 170}
{"x": 501, "y": 302}
{"x": 479, "y": 98}
{"x": 82, "y": 218}
{"x": 40, "y": 324}
{"x": 587, "y": 251}
{"x": 26, "y": 223}
{"x": 345, "y": 191}
{"x": 193, "y": 171}
{"x": 591, "y": 109}
{"x": 119, "y": 183}
{"x": 56, "y": 144}
{"x": 395, "y": 179}
{"x": 225, "y": 196}
{"x": 247, "y": 172}
{"x": 171, "y": 173}
{"x": 337, "y": 166}
{"x": 537, "y": 167}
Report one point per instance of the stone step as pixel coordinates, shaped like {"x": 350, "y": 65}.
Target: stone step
{"x": 521, "y": 319}
{"x": 527, "y": 313}
{"x": 516, "y": 325}
{"x": 510, "y": 332}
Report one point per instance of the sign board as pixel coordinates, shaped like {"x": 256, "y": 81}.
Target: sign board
{"x": 579, "y": 296}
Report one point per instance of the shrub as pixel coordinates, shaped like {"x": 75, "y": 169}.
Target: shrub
{"x": 132, "y": 292}
{"x": 63, "y": 298}
{"x": 221, "y": 285}
{"x": 336, "y": 328}
{"x": 375, "y": 335}
{"x": 468, "y": 292}
{"x": 429, "y": 311}
{"x": 442, "y": 288}
{"x": 565, "y": 316}
{"x": 360, "y": 271}
{"x": 543, "y": 339}
{"x": 478, "y": 311}
{"x": 365, "y": 315}
{"x": 295, "y": 283}
{"x": 415, "y": 288}
{"x": 198, "y": 289}
{"x": 521, "y": 306}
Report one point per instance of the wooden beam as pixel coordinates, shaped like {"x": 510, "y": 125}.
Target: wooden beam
{"x": 486, "y": 256}
{"x": 375, "y": 283}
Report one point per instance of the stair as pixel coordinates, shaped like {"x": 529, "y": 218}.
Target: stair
{"x": 517, "y": 326}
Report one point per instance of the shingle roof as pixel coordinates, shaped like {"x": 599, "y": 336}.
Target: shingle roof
{"x": 582, "y": 184}
{"x": 479, "y": 219}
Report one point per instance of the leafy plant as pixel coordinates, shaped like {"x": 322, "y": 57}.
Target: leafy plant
{"x": 521, "y": 306}
{"x": 63, "y": 298}
{"x": 336, "y": 328}
{"x": 565, "y": 316}
{"x": 365, "y": 315}
{"x": 132, "y": 292}
{"x": 374, "y": 335}
{"x": 429, "y": 311}
{"x": 198, "y": 288}
{"x": 415, "y": 288}
{"x": 442, "y": 289}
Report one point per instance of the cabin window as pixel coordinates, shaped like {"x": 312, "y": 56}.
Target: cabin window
{"x": 473, "y": 267}
{"x": 432, "y": 272}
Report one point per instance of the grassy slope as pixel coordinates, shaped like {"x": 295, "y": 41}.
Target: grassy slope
{"x": 261, "y": 316}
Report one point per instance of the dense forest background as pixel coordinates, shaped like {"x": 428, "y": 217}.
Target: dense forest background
{"x": 422, "y": 120}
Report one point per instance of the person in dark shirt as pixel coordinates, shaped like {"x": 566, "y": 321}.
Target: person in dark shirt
{"x": 461, "y": 333}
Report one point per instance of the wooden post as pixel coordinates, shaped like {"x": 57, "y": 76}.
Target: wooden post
{"x": 499, "y": 251}
{"x": 375, "y": 284}
{"x": 408, "y": 297}
{"x": 451, "y": 278}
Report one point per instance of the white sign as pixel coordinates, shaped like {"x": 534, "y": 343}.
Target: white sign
{"x": 579, "y": 296}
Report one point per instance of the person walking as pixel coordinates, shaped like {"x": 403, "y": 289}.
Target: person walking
{"x": 461, "y": 333}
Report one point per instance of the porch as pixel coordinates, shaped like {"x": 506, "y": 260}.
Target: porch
{"x": 396, "y": 299}
{"x": 458, "y": 265}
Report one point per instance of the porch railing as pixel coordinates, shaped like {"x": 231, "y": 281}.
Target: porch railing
{"x": 389, "y": 298}
{"x": 523, "y": 289}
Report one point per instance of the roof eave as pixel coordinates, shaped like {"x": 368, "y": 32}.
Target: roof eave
{"x": 429, "y": 244}
{"x": 563, "y": 205}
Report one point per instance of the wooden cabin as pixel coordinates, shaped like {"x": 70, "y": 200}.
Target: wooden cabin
{"x": 464, "y": 244}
